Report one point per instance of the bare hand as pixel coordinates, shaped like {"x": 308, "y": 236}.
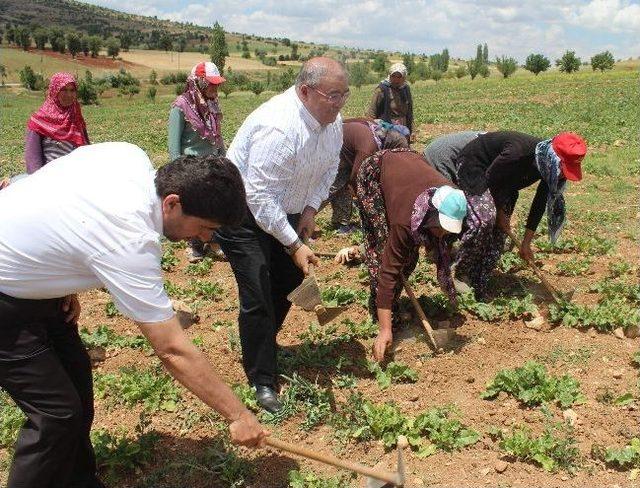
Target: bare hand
{"x": 71, "y": 309}
{"x": 382, "y": 342}
{"x": 303, "y": 256}
{"x": 306, "y": 224}
{"x": 247, "y": 431}
{"x": 526, "y": 253}
{"x": 346, "y": 255}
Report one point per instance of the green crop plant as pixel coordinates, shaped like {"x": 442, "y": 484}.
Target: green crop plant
{"x": 510, "y": 262}
{"x": 338, "y": 296}
{"x": 365, "y": 329}
{"x": 103, "y": 336}
{"x": 169, "y": 260}
{"x": 627, "y": 457}
{"x": 111, "y": 310}
{"x": 395, "y": 372}
{"x": 574, "y": 267}
{"x": 532, "y": 386}
{"x": 201, "y": 268}
{"x": 501, "y": 308}
{"x": 443, "y": 432}
{"x": 556, "y": 448}
{"x": 607, "y": 315}
{"x": 152, "y": 388}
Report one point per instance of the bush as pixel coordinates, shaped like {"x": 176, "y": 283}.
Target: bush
{"x": 123, "y": 78}
{"x": 87, "y": 92}
{"x": 506, "y": 66}
{"x": 170, "y": 79}
{"x": 461, "y": 71}
{"x": 256, "y": 87}
{"x": 130, "y": 90}
{"x": 151, "y": 93}
{"x": 113, "y": 47}
{"x": 602, "y": 61}
{"x": 30, "y": 79}
{"x": 153, "y": 77}
{"x": 180, "y": 88}
{"x": 569, "y": 62}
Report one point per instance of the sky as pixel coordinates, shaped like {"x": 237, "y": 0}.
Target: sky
{"x": 511, "y": 28}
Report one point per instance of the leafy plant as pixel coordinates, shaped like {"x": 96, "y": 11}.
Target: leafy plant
{"x": 574, "y": 267}
{"x": 338, "y": 296}
{"x": 395, "y": 372}
{"x": 500, "y": 308}
{"x": 555, "y": 449}
{"x": 365, "y": 329}
{"x": 111, "y": 310}
{"x": 103, "y": 336}
{"x": 313, "y": 400}
{"x": 11, "y": 420}
{"x": 169, "y": 259}
{"x": 445, "y": 433}
{"x": 152, "y": 388}
{"x": 201, "y": 268}
{"x": 247, "y": 395}
{"x": 607, "y": 315}
{"x": 625, "y": 457}
{"x": 308, "y": 479}
{"x": 532, "y": 385}
{"x": 510, "y": 262}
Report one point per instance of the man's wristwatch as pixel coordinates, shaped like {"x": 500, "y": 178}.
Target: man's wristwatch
{"x": 292, "y": 248}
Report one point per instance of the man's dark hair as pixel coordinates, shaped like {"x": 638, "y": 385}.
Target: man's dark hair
{"x": 209, "y": 187}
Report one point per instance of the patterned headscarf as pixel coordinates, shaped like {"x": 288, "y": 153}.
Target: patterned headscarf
{"x": 55, "y": 121}
{"x": 386, "y": 134}
{"x": 204, "y": 115}
{"x": 397, "y": 68}
{"x": 548, "y": 164}
{"x": 423, "y": 210}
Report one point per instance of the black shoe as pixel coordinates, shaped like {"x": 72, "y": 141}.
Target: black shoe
{"x": 268, "y": 398}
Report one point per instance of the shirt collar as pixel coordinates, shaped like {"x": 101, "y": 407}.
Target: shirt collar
{"x": 306, "y": 116}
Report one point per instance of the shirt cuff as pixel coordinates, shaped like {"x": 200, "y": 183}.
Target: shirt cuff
{"x": 287, "y": 236}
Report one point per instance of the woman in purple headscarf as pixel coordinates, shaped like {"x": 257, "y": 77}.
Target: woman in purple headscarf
{"x": 194, "y": 126}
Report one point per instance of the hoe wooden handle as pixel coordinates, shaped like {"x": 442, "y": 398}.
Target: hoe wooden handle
{"x": 386, "y": 476}
{"x": 420, "y": 312}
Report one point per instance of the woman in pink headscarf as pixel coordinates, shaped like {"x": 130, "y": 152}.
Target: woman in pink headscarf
{"x": 57, "y": 128}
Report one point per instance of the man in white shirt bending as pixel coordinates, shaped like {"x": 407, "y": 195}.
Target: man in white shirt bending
{"x": 91, "y": 219}
{"x": 288, "y": 151}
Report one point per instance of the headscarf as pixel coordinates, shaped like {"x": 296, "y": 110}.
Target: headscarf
{"x": 397, "y": 68}
{"x": 548, "y": 164}
{"x": 55, "y": 121}
{"x": 204, "y": 115}
{"x": 386, "y": 134}
{"x": 423, "y": 210}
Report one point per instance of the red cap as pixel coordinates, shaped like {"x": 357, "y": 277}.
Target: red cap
{"x": 571, "y": 149}
{"x": 209, "y": 71}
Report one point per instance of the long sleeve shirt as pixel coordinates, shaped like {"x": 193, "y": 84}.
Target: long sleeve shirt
{"x": 358, "y": 144}
{"x": 39, "y": 150}
{"x": 288, "y": 161}
{"x": 504, "y": 163}
{"x": 442, "y": 152}
{"x": 404, "y": 176}
{"x": 184, "y": 139}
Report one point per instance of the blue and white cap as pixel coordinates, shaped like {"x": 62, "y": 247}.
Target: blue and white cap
{"x": 452, "y": 208}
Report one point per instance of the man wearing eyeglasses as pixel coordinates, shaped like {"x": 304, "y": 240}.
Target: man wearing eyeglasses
{"x": 287, "y": 151}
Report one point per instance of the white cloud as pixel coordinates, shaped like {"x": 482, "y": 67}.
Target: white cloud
{"x": 508, "y": 27}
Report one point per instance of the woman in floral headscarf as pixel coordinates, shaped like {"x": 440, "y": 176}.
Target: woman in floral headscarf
{"x": 492, "y": 169}
{"x": 57, "y": 128}
{"x": 194, "y": 125}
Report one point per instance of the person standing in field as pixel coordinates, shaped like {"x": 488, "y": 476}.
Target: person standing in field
{"x": 195, "y": 122}
{"x": 392, "y": 100}
{"x": 96, "y": 222}
{"x": 288, "y": 151}
{"x": 57, "y": 128}
{"x": 404, "y": 203}
{"x": 361, "y": 138}
{"x": 491, "y": 170}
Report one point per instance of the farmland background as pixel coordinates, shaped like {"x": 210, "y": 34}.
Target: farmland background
{"x": 160, "y": 436}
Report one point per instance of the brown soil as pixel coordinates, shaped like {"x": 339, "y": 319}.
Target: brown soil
{"x": 101, "y": 62}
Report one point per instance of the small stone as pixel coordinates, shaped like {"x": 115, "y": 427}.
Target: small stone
{"x": 184, "y": 314}
{"x": 485, "y": 471}
{"x": 632, "y": 332}
{"x": 564, "y": 478}
{"x": 617, "y": 374}
{"x": 418, "y": 482}
{"x": 470, "y": 379}
{"x": 414, "y": 398}
{"x": 500, "y": 466}
{"x": 592, "y": 332}
{"x": 619, "y": 333}
{"x": 570, "y": 416}
{"x": 418, "y": 364}
{"x": 536, "y": 323}
{"x": 481, "y": 340}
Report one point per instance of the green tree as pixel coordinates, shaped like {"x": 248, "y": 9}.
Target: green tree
{"x": 445, "y": 60}
{"x": 485, "y": 53}
{"x": 409, "y": 62}
{"x": 166, "y": 42}
{"x": 40, "y": 37}
{"x": 537, "y": 63}
{"x": 125, "y": 41}
{"x": 113, "y": 48}
{"x": 24, "y": 38}
{"x": 56, "y": 39}
{"x": 30, "y": 79}
{"x": 95, "y": 44}
{"x": 84, "y": 43}
{"x": 74, "y": 43}
{"x": 472, "y": 67}
{"x": 379, "y": 64}
{"x": 227, "y": 87}
{"x": 3, "y": 73}
{"x": 461, "y": 71}
{"x": 182, "y": 44}
{"x": 10, "y": 35}
{"x": 436, "y": 75}
{"x": 218, "y": 49}
{"x": 602, "y": 61}
{"x": 87, "y": 91}
{"x": 294, "y": 52}
{"x": 358, "y": 73}
{"x": 569, "y": 62}
{"x": 506, "y": 66}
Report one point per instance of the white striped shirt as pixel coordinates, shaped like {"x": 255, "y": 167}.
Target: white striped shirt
{"x": 287, "y": 160}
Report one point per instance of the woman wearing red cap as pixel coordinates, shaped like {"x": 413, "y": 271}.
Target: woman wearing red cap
{"x": 503, "y": 163}
{"x": 194, "y": 125}
{"x": 58, "y": 127}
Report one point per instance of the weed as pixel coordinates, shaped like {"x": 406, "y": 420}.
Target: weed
{"x": 532, "y": 385}
{"x": 607, "y": 315}
{"x": 204, "y": 289}
{"x": 169, "y": 260}
{"x": 338, "y": 296}
{"x": 105, "y": 337}
{"x": 233, "y": 340}
{"x": 559, "y": 354}
{"x": 11, "y": 420}
{"x": 220, "y": 324}
{"x": 151, "y": 387}
{"x": 308, "y": 479}
{"x": 395, "y": 372}
{"x": 619, "y": 268}
{"x": 313, "y": 400}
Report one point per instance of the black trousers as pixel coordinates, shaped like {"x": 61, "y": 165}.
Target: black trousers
{"x": 265, "y": 274}
{"x": 46, "y": 370}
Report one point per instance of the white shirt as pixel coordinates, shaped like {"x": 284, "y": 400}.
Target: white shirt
{"x": 89, "y": 219}
{"x": 287, "y": 160}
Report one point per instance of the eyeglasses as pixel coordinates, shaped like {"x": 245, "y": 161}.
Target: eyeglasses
{"x": 334, "y": 98}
